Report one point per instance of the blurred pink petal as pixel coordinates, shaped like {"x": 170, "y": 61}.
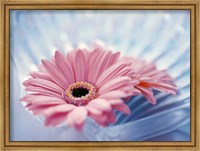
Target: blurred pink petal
{"x": 77, "y": 117}
{"x": 122, "y": 108}
{"x": 100, "y": 119}
{"x": 55, "y": 119}
{"x": 101, "y": 104}
{"x": 63, "y": 108}
{"x": 150, "y": 78}
{"x": 93, "y": 110}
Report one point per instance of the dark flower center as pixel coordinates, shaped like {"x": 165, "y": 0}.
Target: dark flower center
{"x": 79, "y": 92}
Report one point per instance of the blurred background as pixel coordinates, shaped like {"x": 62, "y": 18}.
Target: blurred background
{"x": 162, "y": 37}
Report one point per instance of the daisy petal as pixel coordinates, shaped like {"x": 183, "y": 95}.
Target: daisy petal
{"x": 41, "y": 75}
{"x": 115, "y": 102}
{"x": 102, "y": 64}
{"x": 80, "y": 66}
{"x": 63, "y": 108}
{"x": 43, "y": 83}
{"x": 114, "y": 84}
{"x": 145, "y": 90}
{"x": 109, "y": 73}
{"x": 46, "y": 103}
{"x": 113, "y": 95}
{"x": 77, "y": 117}
{"x": 101, "y": 104}
{"x": 93, "y": 110}
{"x": 150, "y": 98}
{"x": 64, "y": 67}
{"x": 43, "y": 91}
{"x": 100, "y": 119}
{"x": 111, "y": 117}
{"x": 55, "y": 119}
{"x": 114, "y": 58}
{"x": 93, "y": 61}
{"x": 123, "y": 108}
{"x": 55, "y": 74}
{"x": 31, "y": 98}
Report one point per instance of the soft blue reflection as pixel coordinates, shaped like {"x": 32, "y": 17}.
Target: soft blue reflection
{"x": 153, "y": 35}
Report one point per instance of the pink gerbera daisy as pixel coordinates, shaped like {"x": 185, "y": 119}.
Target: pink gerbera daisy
{"x": 82, "y": 83}
{"x": 150, "y": 78}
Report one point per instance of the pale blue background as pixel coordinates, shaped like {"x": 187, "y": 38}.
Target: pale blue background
{"x": 159, "y": 36}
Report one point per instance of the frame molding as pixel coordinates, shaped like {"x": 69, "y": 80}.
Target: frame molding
{"x": 7, "y": 5}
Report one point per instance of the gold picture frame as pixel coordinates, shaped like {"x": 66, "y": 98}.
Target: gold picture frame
{"x": 7, "y": 5}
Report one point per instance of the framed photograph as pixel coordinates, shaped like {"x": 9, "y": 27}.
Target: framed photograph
{"x": 111, "y": 75}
